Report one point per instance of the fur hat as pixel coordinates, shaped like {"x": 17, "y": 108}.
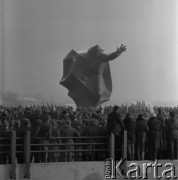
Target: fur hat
{"x": 95, "y": 51}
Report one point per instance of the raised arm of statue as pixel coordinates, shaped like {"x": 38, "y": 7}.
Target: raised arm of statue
{"x": 115, "y": 54}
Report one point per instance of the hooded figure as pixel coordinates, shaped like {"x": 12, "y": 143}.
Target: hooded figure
{"x": 87, "y": 76}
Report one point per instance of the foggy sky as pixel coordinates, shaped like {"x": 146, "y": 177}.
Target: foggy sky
{"x": 39, "y": 33}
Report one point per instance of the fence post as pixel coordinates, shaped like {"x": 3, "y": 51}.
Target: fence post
{"x": 13, "y": 153}
{"x": 124, "y": 151}
{"x": 112, "y": 146}
{"x": 27, "y": 154}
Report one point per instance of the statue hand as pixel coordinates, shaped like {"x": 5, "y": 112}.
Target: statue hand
{"x": 121, "y": 49}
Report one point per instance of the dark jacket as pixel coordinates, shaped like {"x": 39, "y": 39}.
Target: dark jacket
{"x": 129, "y": 124}
{"x": 141, "y": 130}
{"x": 154, "y": 137}
{"x": 172, "y": 128}
{"x": 114, "y": 123}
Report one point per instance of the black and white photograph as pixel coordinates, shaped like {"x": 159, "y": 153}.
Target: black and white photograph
{"x": 88, "y": 89}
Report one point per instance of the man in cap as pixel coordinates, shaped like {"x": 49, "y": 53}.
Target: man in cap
{"x": 114, "y": 122}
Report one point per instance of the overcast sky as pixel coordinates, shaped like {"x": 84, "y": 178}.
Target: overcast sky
{"x": 39, "y": 33}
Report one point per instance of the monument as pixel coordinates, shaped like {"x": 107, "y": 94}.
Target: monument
{"x": 87, "y": 75}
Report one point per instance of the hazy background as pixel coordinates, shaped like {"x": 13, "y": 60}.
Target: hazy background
{"x": 39, "y": 33}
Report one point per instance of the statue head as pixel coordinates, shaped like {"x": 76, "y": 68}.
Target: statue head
{"x": 95, "y": 51}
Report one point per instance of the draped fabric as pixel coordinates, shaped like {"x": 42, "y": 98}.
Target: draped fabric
{"x": 87, "y": 78}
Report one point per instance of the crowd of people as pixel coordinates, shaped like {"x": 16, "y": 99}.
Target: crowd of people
{"x": 153, "y": 132}
{"x": 148, "y": 131}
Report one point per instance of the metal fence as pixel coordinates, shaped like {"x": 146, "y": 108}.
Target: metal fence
{"x": 26, "y": 150}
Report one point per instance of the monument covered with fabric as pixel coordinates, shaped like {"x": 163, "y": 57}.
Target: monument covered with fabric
{"x": 87, "y": 76}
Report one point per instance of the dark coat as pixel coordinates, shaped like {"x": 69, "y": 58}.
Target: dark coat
{"x": 114, "y": 123}
{"x": 141, "y": 130}
{"x": 154, "y": 137}
{"x": 129, "y": 124}
{"x": 172, "y": 129}
{"x": 45, "y": 130}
